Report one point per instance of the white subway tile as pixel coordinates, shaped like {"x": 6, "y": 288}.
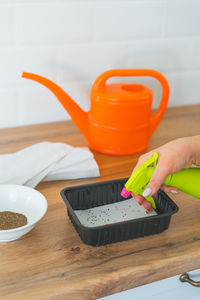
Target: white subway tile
{"x": 7, "y": 25}
{"x": 47, "y": 24}
{"x": 182, "y": 18}
{"x": 38, "y": 105}
{"x": 8, "y": 108}
{"x": 82, "y": 62}
{"x": 128, "y": 20}
{"x": 72, "y": 42}
{"x": 161, "y": 54}
{"x": 79, "y": 91}
{"x": 14, "y": 61}
{"x": 195, "y": 57}
{"x": 184, "y": 88}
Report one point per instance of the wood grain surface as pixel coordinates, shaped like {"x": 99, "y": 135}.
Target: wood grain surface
{"x": 51, "y": 262}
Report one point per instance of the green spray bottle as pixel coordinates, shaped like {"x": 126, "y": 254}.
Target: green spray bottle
{"x": 186, "y": 180}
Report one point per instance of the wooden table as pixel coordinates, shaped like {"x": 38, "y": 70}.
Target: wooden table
{"x": 51, "y": 262}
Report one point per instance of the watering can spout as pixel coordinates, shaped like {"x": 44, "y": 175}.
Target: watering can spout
{"x": 79, "y": 116}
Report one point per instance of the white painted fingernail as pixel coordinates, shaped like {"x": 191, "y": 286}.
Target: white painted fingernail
{"x": 147, "y": 192}
{"x": 173, "y": 192}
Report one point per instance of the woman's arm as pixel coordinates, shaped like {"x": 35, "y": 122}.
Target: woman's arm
{"x": 173, "y": 156}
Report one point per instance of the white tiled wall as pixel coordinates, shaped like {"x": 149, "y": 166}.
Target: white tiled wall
{"x": 73, "y": 41}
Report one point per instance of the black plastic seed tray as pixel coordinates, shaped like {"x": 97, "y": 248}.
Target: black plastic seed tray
{"x": 98, "y": 194}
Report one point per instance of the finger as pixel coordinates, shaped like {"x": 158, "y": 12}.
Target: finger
{"x": 157, "y": 179}
{"x": 147, "y": 205}
{"x": 139, "y": 199}
{"x": 169, "y": 189}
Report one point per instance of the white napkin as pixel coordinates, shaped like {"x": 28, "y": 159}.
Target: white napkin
{"x": 47, "y": 161}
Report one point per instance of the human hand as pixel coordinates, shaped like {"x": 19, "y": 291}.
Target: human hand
{"x": 173, "y": 156}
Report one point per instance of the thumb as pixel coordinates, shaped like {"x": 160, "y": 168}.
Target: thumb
{"x": 157, "y": 179}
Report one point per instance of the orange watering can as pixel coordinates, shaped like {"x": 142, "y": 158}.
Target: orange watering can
{"x": 119, "y": 121}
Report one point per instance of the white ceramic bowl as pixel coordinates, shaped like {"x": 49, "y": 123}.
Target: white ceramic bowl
{"x": 23, "y": 200}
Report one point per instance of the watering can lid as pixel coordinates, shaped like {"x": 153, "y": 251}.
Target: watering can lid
{"x": 123, "y": 90}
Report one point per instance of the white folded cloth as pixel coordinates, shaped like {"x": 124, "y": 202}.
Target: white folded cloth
{"x": 47, "y": 161}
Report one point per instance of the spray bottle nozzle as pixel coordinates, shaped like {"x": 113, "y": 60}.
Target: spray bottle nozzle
{"x": 125, "y": 193}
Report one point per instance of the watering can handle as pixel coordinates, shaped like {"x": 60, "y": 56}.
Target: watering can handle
{"x": 156, "y": 116}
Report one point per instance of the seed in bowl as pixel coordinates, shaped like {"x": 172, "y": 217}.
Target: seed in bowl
{"x": 10, "y": 220}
